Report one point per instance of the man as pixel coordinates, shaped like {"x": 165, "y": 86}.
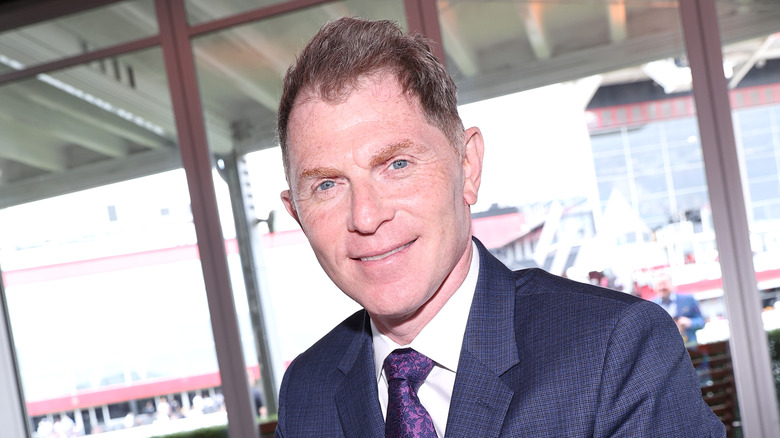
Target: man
{"x": 683, "y": 308}
{"x": 257, "y": 397}
{"x": 382, "y": 176}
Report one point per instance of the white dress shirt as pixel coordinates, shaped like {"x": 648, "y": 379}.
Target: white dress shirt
{"x": 671, "y": 306}
{"x": 440, "y": 340}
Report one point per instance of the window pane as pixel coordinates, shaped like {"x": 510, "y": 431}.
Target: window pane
{"x": 102, "y": 277}
{"x": 681, "y": 131}
{"x": 611, "y": 143}
{"x": 200, "y": 11}
{"x": 752, "y": 60}
{"x": 240, "y": 101}
{"x": 647, "y": 161}
{"x": 80, "y": 33}
{"x": 682, "y": 154}
{"x": 689, "y": 178}
{"x": 565, "y": 137}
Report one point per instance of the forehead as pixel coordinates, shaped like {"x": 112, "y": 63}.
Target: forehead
{"x": 376, "y": 95}
{"x": 377, "y": 111}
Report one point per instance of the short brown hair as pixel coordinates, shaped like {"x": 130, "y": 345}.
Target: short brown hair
{"x": 348, "y": 49}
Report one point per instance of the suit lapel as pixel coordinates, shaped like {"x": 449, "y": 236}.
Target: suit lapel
{"x": 481, "y": 398}
{"x": 356, "y": 398}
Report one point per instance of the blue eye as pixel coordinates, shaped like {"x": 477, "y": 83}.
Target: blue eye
{"x": 399, "y": 164}
{"x": 326, "y": 185}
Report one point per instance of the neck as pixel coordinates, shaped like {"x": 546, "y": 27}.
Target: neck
{"x": 404, "y": 330}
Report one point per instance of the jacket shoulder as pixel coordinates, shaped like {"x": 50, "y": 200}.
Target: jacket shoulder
{"x": 535, "y": 281}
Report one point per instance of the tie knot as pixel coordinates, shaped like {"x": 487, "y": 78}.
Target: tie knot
{"x": 408, "y": 364}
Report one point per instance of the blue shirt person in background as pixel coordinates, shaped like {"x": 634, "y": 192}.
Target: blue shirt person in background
{"x": 683, "y": 308}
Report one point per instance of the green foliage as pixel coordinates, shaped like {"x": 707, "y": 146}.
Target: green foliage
{"x": 774, "y": 354}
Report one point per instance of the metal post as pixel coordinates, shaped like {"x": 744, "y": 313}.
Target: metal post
{"x": 13, "y": 414}
{"x": 235, "y": 174}
{"x": 749, "y": 344}
{"x": 198, "y": 165}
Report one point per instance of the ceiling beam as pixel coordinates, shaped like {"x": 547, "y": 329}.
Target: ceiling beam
{"x": 89, "y": 176}
{"x": 63, "y": 126}
{"x": 31, "y": 147}
{"x": 20, "y": 13}
{"x": 616, "y": 13}
{"x": 452, "y": 41}
{"x": 532, "y": 15}
{"x": 95, "y": 117}
{"x": 756, "y": 56}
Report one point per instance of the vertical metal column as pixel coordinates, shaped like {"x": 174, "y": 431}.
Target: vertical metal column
{"x": 422, "y": 16}
{"x": 198, "y": 165}
{"x": 13, "y": 413}
{"x": 235, "y": 174}
{"x": 749, "y": 344}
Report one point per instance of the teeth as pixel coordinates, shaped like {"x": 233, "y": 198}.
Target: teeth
{"x": 381, "y": 256}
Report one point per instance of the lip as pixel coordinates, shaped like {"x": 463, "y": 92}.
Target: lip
{"x": 384, "y": 255}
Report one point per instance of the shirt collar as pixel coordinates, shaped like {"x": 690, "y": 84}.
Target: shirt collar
{"x": 441, "y": 339}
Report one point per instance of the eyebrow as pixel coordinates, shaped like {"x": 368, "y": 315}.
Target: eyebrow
{"x": 390, "y": 151}
{"x": 381, "y": 157}
{"x": 318, "y": 172}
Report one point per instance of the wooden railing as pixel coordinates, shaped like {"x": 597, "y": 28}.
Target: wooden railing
{"x": 716, "y": 374}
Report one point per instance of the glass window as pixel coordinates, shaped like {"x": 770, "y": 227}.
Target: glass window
{"x": 762, "y": 167}
{"x": 619, "y": 184}
{"x": 682, "y": 130}
{"x": 655, "y": 211}
{"x": 240, "y": 70}
{"x": 689, "y": 178}
{"x": 611, "y": 143}
{"x": 80, "y": 33}
{"x": 610, "y": 164}
{"x": 645, "y": 161}
{"x": 647, "y": 221}
{"x": 102, "y": 277}
{"x": 753, "y": 119}
{"x": 764, "y": 190}
{"x": 200, "y": 11}
{"x": 652, "y": 184}
{"x": 648, "y": 135}
{"x": 753, "y": 77}
{"x": 685, "y": 154}
{"x": 757, "y": 142}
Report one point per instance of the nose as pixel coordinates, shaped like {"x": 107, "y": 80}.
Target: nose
{"x": 369, "y": 209}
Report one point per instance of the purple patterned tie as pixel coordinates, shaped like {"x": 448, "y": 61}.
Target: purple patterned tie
{"x": 406, "y": 370}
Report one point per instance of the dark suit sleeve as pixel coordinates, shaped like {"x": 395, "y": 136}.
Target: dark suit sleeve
{"x": 281, "y": 417}
{"x": 648, "y": 385}
{"x": 697, "y": 320}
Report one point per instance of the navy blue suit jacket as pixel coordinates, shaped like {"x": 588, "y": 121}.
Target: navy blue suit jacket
{"x": 542, "y": 357}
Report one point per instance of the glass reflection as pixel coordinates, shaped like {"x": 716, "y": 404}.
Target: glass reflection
{"x": 101, "y": 273}
{"x": 201, "y": 11}
{"x": 240, "y": 71}
{"x": 80, "y": 33}
{"x": 597, "y": 128}
{"x": 753, "y": 74}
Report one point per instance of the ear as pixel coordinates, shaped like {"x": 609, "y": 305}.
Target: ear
{"x": 290, "y": 205}
{"x": 472, "y": 164}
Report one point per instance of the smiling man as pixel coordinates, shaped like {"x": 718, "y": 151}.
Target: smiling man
{"x": 382, "y": 175}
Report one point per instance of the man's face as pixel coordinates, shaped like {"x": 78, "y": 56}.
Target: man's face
{"x": 662, "y": 284}
{"x": 383, "y": 198}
